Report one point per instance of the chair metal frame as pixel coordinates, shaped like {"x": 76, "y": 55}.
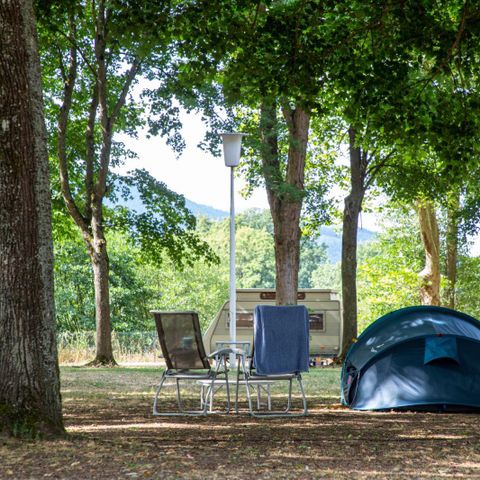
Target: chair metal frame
{"x": 220, "y": 357}
{"x": 251, "y": 377}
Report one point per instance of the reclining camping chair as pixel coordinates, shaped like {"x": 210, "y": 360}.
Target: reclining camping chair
{"x": 280, "y": 352}
{"x": 185, "y": 359}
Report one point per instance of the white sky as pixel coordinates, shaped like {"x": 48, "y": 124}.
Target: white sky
{"x": 199, "y": 176}
{"x": 203, "y": 178}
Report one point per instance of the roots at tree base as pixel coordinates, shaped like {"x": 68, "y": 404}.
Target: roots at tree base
{"x": 27, "y": 424}
{"x": 102, "y": 362}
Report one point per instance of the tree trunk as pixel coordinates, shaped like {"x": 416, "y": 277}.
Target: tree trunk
{"x": 430, "y": 275}
{"x": 30, "y": 403}
{"x": 285, "y": 193}
{"x": 100, "y": 265}
{"x": 452, "y": 250}
{"x": 351, "y": 212}
{"x": 104, "y": 353}
{"x": 287, "y": 253}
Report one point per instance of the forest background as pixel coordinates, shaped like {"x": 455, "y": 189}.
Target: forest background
{"x": 397, "y": 95}
{"x": 388, "y": 276}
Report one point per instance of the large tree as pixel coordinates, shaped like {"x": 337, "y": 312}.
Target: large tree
{"x": 29, "y": 377}
{"x": 270, "y": 60}
{"x": 397, "y": 110}
{"x": 94, "y": 53}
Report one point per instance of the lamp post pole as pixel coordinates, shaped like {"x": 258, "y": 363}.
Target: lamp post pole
{"x": 231, "y": 150}
{"x": 233, "y": 290}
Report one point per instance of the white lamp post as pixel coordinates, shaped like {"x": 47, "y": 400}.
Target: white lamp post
{"x": 231, "y": 151}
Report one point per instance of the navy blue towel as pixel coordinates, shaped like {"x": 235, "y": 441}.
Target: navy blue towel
{"x": 281, "y": 339}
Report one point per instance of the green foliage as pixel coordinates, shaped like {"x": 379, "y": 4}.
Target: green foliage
{"x": 76, "y": 38}
{"x": 312, "y": 255}
{"x": 255, "y": 259}
{"x": 138, "y": 285}
{"x": 327, "y": 276}
{"x": 389, "y": 267}
{"x": 164, "y": 226}
{"x": 74, "y": 297}
{"x": 468, "y": 284}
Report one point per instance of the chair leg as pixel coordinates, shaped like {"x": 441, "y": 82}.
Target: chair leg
{"x": 286, "y": 412}
{"x": 181, "y": 412}
{"x": 211, "y": 395}
{"x": 247, "y": 387}
{"x": 227, "y": 384}
{"x": 237, "y": 385}
{"x": 289, "y": 401}
{"x": 210, "y": 390}
{"x": 304, "y": 399}
{"x": 179, "y": 398}
{"x": 202, "y": 396}
{"x": 155, "y": 401}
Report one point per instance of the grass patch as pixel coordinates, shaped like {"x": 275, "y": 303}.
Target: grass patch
{"x": 112, "y": 434}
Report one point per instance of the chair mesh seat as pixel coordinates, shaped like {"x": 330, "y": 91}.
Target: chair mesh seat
{"x": 185, "y": 358}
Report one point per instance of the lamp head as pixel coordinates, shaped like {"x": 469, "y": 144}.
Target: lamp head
{"x": 232, "y": 143}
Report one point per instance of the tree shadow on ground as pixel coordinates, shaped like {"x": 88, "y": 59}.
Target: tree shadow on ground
{"x": 113, "y": 435}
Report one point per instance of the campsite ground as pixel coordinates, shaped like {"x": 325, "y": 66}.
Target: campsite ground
{"x": 112, "y": 434}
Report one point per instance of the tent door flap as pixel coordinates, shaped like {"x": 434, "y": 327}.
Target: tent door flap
{"x": 440, "y": 348}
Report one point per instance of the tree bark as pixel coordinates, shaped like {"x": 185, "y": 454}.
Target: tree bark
{"x": 452, "y": 250}
{"x": 99, "y": 258}
{"x": 351, "y": 212}
{"x": 30, "y": 403}
{"x": 430, "y": 275}
{"x": 287, "y": 253}
{"x": 285, "y": 193}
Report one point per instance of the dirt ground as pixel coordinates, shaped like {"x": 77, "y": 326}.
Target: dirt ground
{"x": 112, "y": 434}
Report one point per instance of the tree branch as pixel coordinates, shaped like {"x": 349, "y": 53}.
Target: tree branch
{"x": 297, "y": 150}
{"x": 126, "y": 87}
{"x": 62, "y": 138}
{"x": 375, "y": 168}
{"x": 90, "y": 152}
{"x": 269, "y": 152}
{"x": 100, "y": 48}
{"x": 60, "y": 64}
{"x": 288, "y": 116}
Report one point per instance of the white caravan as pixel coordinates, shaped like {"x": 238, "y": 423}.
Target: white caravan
{"x": 325, "y": 313}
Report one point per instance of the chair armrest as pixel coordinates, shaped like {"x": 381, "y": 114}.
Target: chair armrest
{"x": 226, "y": 351}
{"x": 220, "y": 352}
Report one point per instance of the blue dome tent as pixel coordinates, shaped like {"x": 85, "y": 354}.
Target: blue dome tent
{"x": 420, "y": 357}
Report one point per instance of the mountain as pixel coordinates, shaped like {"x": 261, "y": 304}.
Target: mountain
{"x": 330, "y": 236}
{"x": 135, "y": 203}
{"x": 205, "y": 211}
{"x": 333, "y": 240}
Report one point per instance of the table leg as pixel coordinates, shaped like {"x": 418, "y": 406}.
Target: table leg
{"x": 237, "y": 385}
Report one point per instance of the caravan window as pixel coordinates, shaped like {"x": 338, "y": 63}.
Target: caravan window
{"x": 244, "y": 320}
{"x": 317, "y": 321}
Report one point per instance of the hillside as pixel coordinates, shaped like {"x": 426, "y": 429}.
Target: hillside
{"x": 330, "y": 236}
{"x": 200, "y": 210}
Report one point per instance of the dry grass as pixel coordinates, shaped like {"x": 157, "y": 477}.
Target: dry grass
{"x": 113, "y": 435}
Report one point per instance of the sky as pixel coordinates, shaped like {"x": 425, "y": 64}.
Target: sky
{"x": 198, "y": 175}
{"x": 203, "y": 178}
